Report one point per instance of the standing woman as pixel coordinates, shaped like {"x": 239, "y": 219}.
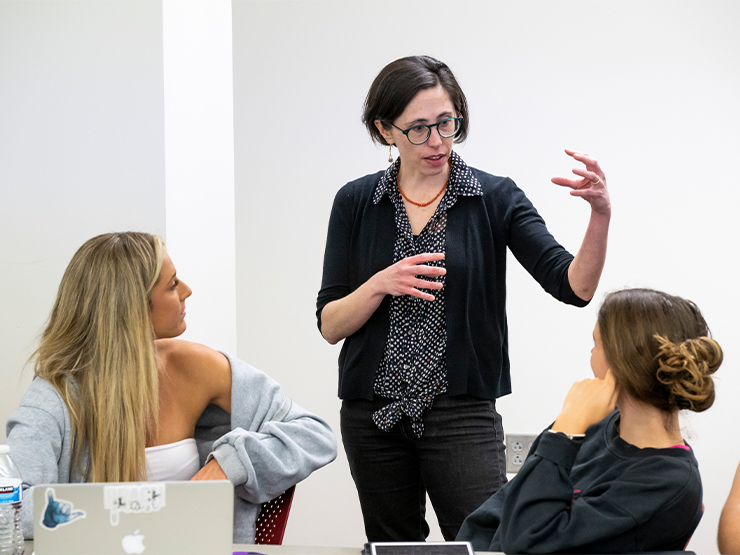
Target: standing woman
{"x": 415, "y": 283}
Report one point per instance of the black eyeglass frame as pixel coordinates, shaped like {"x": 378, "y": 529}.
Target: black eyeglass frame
{"x": 429, "y": 129}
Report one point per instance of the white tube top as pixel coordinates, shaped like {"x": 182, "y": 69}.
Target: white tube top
{"x": 173, "y": 461}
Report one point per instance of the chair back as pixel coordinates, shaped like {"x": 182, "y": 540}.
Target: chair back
{"x": 273, "y": 518}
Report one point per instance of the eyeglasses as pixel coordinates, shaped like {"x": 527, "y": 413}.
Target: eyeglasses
{"x": 420, "y": 133}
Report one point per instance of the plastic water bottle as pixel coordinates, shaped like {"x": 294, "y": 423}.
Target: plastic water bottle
{"x": 11, "y": 493}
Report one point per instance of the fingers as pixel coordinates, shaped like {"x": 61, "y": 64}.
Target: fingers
{"x": 417, "y": 290}
{"x": 427, "y": 284}
{"x": 588, "y": 179}
{"x": 580, "y": 156}
{"x": 591, "y": 177}
{"x": 419, "y": 284}
{"x": 425, "y": 257}
{"x": 594, "y": 172}
{"x": 591, "y": 185}
{"x": 583, "y": 158}
{"x": 566, "y": 182}
{"x": 429, "y": 271}
{"x": 421, "y": 295}
{"x": 611, "y": 383}
{"x": 587, "y": 402}
{"x": 414, "y": 265}
{"x": 411, "y": 276}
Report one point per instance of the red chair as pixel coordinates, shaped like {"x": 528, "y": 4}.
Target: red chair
{"x": 273, "y": 518}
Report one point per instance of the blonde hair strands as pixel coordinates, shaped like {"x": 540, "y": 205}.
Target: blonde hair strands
{"x": 98, "y": 352}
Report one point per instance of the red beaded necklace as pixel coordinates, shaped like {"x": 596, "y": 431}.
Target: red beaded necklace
{"x": 422, "y": 204}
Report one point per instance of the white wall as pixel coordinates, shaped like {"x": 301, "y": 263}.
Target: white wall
{"x": 81, "y": 150}
{"x": 199, "y": 163}
{"x": 647, "y": 87}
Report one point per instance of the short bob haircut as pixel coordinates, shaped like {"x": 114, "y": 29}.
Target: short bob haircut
{"x": 399, "y": 82}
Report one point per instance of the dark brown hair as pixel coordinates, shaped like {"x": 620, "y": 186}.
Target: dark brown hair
{"x": 399, "y": 82}
{"x": 659, "y": 348}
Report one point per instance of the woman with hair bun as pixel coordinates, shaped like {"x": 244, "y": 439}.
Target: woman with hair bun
{"x": 117, "y": 399}
{"x": 601, "y": 480}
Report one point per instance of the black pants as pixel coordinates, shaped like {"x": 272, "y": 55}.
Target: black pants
{"x": 459, "y": 461}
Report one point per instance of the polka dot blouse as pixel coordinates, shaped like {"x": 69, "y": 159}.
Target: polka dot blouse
{"x": 412, "y": 371}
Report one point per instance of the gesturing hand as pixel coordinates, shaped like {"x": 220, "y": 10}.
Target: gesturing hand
{"x": 592, "y": 183}
{"x": 587, "y": 402}
{"x": 401, "y": 277}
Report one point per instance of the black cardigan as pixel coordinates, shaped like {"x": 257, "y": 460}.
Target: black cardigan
{"x": 360, "y": 243}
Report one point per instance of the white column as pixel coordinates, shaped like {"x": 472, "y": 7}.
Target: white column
{"x": 199, "y": 163}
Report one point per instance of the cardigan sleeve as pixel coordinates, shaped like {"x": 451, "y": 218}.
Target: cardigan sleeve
{"x": 36, "y": 435}
{"x": 274, "y": 443}
{"x": 335, "y": 281}
{"x": 536, "y": 249}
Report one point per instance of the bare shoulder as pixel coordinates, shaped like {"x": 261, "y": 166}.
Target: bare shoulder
{"x": 191, "y": 360}
{"x": 191, "y": 377}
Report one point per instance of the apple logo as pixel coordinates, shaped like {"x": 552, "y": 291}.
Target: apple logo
{"x": 133, "y": 543}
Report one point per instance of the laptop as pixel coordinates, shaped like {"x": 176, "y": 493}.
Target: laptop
{"x": 149, "y": 518}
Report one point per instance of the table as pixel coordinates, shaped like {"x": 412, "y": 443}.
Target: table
{"x": 281, "y": 549}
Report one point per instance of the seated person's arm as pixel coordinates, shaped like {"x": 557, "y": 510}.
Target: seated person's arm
{"x": 728, "y": 537}
{"x": 37, "y": 433}
{"x": 273, "y": 443}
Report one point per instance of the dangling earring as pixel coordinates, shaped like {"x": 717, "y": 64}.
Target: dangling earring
{"x": 390, "y": 153}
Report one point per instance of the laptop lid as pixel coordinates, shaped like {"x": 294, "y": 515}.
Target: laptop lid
{"x": 149, "y": 518}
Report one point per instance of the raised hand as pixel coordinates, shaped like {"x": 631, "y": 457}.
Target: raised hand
{"x": 591, "y": 186}
{"x": 402, "y": 278}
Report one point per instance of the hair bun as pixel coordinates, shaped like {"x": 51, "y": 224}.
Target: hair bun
{"x": 686, "y": 370}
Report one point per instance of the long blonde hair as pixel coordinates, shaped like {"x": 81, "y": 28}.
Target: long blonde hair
{"x": 98, "y": 352}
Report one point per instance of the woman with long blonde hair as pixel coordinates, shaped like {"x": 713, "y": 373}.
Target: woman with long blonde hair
{"x": 601, "y": 480}
{"x": 116, "y": 398}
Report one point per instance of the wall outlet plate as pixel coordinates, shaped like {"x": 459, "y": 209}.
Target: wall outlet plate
{"x": 517, "y": 449}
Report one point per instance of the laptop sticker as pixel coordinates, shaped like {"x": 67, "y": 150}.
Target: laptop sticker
{"x": 139, "y": 498}
{"x": 58, "y": 512}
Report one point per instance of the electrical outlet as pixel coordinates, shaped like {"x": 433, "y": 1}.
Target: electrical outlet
{"x": 517, "y": 449}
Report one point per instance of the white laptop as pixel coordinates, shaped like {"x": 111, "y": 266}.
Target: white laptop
{"x": 149, "y": 518}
